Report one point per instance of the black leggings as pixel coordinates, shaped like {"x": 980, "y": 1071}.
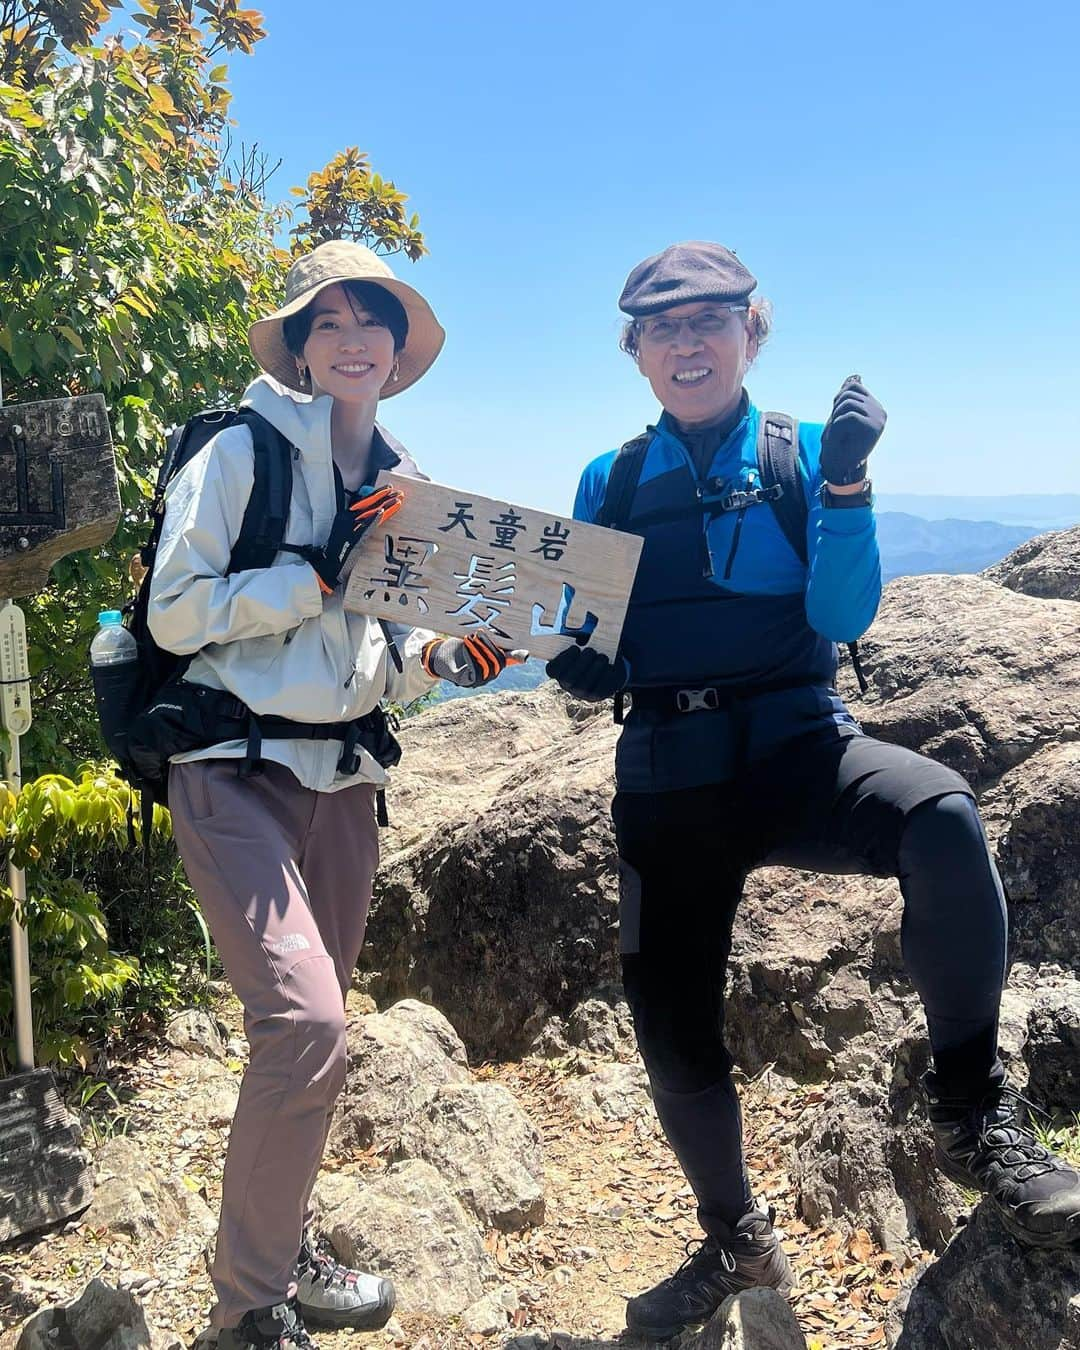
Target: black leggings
{"x": 858, "y": 805}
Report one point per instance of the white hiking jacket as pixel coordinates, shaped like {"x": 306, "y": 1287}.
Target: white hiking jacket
{"x": 268, "y": 635}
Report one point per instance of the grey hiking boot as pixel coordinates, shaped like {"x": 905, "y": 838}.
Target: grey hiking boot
{"x": 987, "y": 1145}
{"x": 332, "y": 1295}
{"x": 747, "y": 1255}
{"x": 279, "y": 1327}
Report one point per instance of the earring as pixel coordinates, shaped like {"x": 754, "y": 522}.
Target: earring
{"x": 302, "y": 374}
{"x": 394, "y": 369}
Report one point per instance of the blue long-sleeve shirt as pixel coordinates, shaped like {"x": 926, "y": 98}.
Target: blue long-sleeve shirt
{"x": 722, "y": 599}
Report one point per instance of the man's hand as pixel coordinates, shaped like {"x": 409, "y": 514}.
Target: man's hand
{"x": 347, "y": 529}
{"x": 589, "y": 675}
{"x": 468, "y": 662}
{"x": 853, "y": 429}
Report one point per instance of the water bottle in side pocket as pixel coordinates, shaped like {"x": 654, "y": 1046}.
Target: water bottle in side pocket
{"x": 117, "y": 676}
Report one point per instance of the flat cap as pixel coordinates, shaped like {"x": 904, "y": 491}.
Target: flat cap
{"x": 684, "y": 273}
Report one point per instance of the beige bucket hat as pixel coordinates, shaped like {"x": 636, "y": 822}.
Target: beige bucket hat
{"x": 342, "y": 260}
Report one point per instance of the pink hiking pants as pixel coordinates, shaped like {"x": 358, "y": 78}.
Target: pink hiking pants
{"x": 283, "y": 875}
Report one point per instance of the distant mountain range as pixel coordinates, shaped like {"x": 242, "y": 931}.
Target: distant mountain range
{"x": 911, "y": 545}
{"x": 916, "y": 534}
{"x": 1040, "y": 511}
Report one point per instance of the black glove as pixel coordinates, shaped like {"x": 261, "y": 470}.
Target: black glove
{"x": 347, "y": 529}
{"x": 587, "y": 674}
{"x": 468, "y": 662}
{"x": 854, "y": 426}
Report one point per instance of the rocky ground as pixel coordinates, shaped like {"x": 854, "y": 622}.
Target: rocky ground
{"x": 545, "y": 1245}
{"x": 495, "y": 1150}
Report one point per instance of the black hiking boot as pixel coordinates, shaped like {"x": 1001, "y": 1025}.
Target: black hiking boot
{"x": 279, "y": 1327}
{"x": 331, "y": 1295}
{"x": 988, "y": 1146}
{"x": 747, "y": 1255}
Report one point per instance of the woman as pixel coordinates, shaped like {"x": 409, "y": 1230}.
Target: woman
{"x": 282, "y": 859}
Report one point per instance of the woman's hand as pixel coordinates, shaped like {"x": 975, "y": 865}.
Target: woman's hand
{"x": 347, "y": 529}
{"x": 468, "y": 662}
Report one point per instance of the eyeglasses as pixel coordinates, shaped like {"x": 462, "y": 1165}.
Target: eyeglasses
{"x": 663, "y": 328}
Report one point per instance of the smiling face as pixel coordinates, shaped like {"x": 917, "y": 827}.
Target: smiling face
{"x": 349, "y": 352}
{"x": 695, "y": 356}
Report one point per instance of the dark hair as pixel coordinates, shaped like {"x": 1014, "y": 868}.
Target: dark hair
{"x": 380, "y": 303}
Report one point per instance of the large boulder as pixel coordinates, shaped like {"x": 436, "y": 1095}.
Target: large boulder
{"x": 408, "y": 1225}
{"x": 866, "y": 1159}
{"x": 486, "y": 1149}
{"x": 501, "y": 907}
{"x": 975, "y": 675}
{"x": 1047, "y": 566}
{"x": 988, "y": 1291}
{"x": 1034, "y": 811}
{"x": 1052, "y": 1047}
{"x": 398, "y": 1061}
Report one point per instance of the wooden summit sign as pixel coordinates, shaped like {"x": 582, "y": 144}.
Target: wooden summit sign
{"x": 458, "y": 563}
{"x": 58, "y": 489}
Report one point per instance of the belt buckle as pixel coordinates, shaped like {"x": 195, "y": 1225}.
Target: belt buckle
{"x": 697, "y": 700}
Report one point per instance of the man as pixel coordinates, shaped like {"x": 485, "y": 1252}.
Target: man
{"x": 738, "y": 752}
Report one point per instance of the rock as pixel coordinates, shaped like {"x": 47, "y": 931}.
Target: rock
{"x": 485, "y": 1317}
{"x": 101, "y": 1318}
{"x": 756, "y": 1319}
{"x": 973, "y": 674}
{"x": 428, "y": 1021}
{"x": 398, "y": 1060}
{"x": 816, "y": 982}
{"x": 501, "y": 908}
{"x": 486, "y": 1149}
{"x": 131, "y": 1196}
{"x": 1036, "y": 812}
{"x": 611, "y": 1092}
{"x": 1047, "y": 566}
{"x": 199, "y": 1219}
{"x": 407, "y": 1225}
{"x": 1053, "y": 1047}
{"x": 195, "y": 1032}
{"x": 603, "y": 1026}
{"x": 865, "y": 1159}
{"x": 214, "y": 1102}
{"x": 988, "y": 1291}
{"x": 551, "y": 1041}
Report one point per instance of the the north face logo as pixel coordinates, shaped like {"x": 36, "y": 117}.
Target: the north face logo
{"x": 291, "y": 942}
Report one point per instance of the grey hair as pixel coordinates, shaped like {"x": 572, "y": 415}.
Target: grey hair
{"x": 760, "y": 320}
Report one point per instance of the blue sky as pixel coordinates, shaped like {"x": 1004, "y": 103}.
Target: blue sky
{"x": 902, "y": 179}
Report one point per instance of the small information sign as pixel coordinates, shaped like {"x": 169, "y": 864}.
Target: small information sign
{"x": 458, "y": 563}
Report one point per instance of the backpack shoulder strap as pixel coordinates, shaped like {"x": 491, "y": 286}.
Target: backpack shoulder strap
{"x": 622, "y": 482}
{"x": 262, "y": 530}
{"x": 778, "y": 465}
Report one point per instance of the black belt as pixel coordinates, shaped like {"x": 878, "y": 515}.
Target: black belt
{"x": 672, "y": 699}
{"x": 675, "y": 699}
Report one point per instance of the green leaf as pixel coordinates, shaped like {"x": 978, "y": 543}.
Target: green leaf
{"x": 69, "y": 335}
{"x": 22, "y": 354}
